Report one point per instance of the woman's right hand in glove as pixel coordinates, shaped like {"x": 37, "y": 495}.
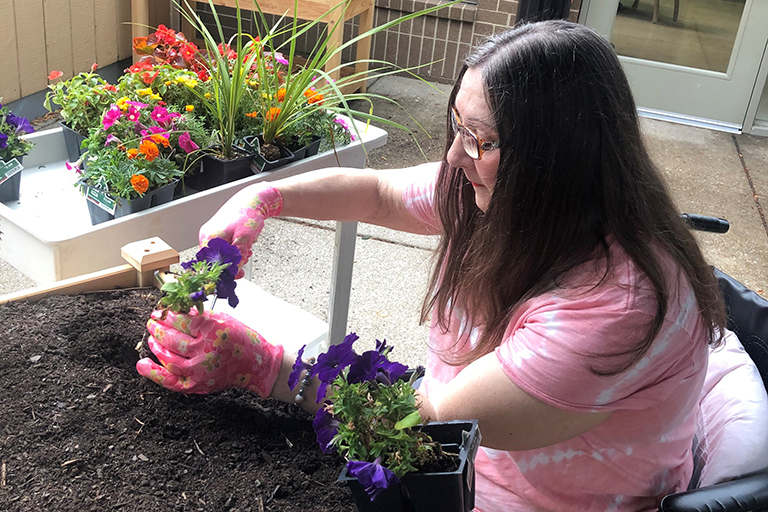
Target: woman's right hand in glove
{"x": 240, "y": 220}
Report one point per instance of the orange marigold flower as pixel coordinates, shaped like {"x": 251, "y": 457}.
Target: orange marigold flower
{"x": 272, "y": 114}
{"x": 281, "y": 94}
{"x": 252, "y": 114}
{"x": 132, "y": 153}
{"x": 159, "y": 139}
{"x": 139, "y": 183}
{"x": 309, "y": 93}
{"x": 316, "y": 98}
{"x": 149, "y": 150}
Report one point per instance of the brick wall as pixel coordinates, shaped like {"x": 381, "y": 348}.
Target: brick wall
{"x": 437, "y": 43}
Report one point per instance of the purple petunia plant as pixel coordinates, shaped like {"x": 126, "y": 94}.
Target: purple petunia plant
{"x": 212, "y": 272}
{"x": 12, "y": 130}
{"x": 370, "y": 414}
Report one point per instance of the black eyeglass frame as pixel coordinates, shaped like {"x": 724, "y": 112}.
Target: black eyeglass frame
{"x": 473, "y": 145}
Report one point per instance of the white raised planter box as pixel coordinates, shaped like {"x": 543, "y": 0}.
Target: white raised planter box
{"x": 48, "y": 235}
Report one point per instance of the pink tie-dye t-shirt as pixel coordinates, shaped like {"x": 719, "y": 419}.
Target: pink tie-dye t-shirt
{"x": 552, "y": 344}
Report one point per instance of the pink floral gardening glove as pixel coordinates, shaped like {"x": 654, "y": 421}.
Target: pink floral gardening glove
{"x": 209, "y": 352}
{"x": 240, "y": 220}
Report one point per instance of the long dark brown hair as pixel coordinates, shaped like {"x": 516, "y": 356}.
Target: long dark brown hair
{"x": 573, "y": 172}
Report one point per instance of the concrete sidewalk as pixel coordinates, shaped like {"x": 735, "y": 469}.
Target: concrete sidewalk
{"x": 710, "y": 173}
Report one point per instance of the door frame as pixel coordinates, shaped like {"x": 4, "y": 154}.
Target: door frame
{"x": 604, "y": 17}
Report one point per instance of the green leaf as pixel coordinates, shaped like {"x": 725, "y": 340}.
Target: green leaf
{"x": 409, "y": 421}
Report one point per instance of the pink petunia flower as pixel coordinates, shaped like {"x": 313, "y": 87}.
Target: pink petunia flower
{"x": 111, "y": 116}
{"x": 137, "y": 104}
{"x": 74, "y": 166}
{"x": 187, "y": 144}
{"x": 133, "y": 114}
{"x": 279, "y": 58}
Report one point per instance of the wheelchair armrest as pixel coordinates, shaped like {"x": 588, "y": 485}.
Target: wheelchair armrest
{"x": 740, "y": 495}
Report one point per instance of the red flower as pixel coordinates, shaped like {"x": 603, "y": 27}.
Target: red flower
{"x": 148, "y": 78}
{"x": 110, "y": 87}
{"x": 55, "y": 74}
{"x": 94, "y": 67}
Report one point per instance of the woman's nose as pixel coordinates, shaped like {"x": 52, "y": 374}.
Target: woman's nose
{"x": 457, "y": 157}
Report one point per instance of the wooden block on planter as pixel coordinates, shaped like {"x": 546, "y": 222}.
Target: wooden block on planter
{"x": 149, "y": 255}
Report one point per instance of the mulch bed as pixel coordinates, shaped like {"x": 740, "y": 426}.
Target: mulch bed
{"x": 81, "y": 430}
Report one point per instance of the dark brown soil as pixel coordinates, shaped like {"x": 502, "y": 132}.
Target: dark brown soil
{"x": 270, "y": 152}
{"x": 81, "y": 430}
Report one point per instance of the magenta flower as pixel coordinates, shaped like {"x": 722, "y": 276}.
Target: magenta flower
{"x": 74, "y": 167}
{"x": 110, "y": 139}
{"x": 279, "y": 58}
{"x": 133, "y": 114}
{"x": 372, "y": 476}
{"x": 111, "y": 116}
{"x": 187, "y": 144}
{"x": 137, "y": 104}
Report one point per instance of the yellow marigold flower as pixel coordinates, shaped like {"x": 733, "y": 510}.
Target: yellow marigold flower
{"x": 168, "y": 82}
{"x": 253, "y": 83}
{"x": 281, "y": 94}
{"x": 144, "y": 92}
{"x": 149, "y": 150}
{"x": 139, "y": 183}
{"x": 189, "y": 108}
{"x": 207, "y": 95}
{"x": 155, "y": 96}
{"x": 132, "y": 153}
{"x": 272, "y": 114}
{"x": 265, "y": 95}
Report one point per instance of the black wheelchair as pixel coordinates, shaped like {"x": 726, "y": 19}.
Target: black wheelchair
{"x": 748, "y": 318}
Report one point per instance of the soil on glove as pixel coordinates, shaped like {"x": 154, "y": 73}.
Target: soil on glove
{"x": 81, "y": 430}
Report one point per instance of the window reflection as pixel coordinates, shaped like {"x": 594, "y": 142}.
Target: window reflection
{"x": 702, "y": 36}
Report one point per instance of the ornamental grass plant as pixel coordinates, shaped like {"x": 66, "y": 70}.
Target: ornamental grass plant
{"x": 264, "y": 71}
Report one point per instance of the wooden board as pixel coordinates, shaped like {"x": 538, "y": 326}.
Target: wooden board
{"x": 124, "y": 36}
{"x": 123, "y": 276}
{"x": 30, "y": 26}
{"x": 105, "y": 16}
{"x": 58, "y": 37}
{"x": 83, "y": 35}
{"x": 10, "y": 88}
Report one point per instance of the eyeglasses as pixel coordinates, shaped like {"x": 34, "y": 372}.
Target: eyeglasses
{"x": 473, "y": 145}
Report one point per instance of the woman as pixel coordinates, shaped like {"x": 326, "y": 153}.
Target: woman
{"x": 571, "y": 308}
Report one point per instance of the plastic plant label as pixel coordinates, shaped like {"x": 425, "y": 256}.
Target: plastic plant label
{"x": 9, "y": 169}
{"x": 101, "y": 199}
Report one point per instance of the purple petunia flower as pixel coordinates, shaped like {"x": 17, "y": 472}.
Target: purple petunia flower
{"x": 326, "y": 426}
{"x": 372, "y": 476}
{"x": 3, "y": 141}
{"x": 330, "y": 364}
{"x": 225, "y": 288}
{"x": 198, "y": 296}
{"x": 365, "y": 367}
{"x": 187, "y": 144}
{"x": 220, "y": 251}
{"x": 21, "y": 124}
{"x": 298, "y": 367}
{"x": 389, "y": 372}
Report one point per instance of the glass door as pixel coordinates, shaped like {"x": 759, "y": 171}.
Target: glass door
{"x": 694, "y": 61}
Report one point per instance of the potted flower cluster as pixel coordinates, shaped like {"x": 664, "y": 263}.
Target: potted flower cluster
{"x": 396, "y": 461}
{"x": 13, "y": 147}
{"x": 134, "y": 160}
{"x": 82, "y": 99}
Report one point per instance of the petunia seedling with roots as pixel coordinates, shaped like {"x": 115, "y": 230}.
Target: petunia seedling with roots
{"x": 370, "y": 414}
{"x": 212, "y": 272}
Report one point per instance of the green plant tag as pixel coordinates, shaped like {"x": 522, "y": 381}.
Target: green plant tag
{"x": 101, "y": 199}
{"x": 9, "y": 169}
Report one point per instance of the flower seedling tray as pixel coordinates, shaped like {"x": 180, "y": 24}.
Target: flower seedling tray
{"x": 48, "y": 235}
{"x": 430, "y": 492}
